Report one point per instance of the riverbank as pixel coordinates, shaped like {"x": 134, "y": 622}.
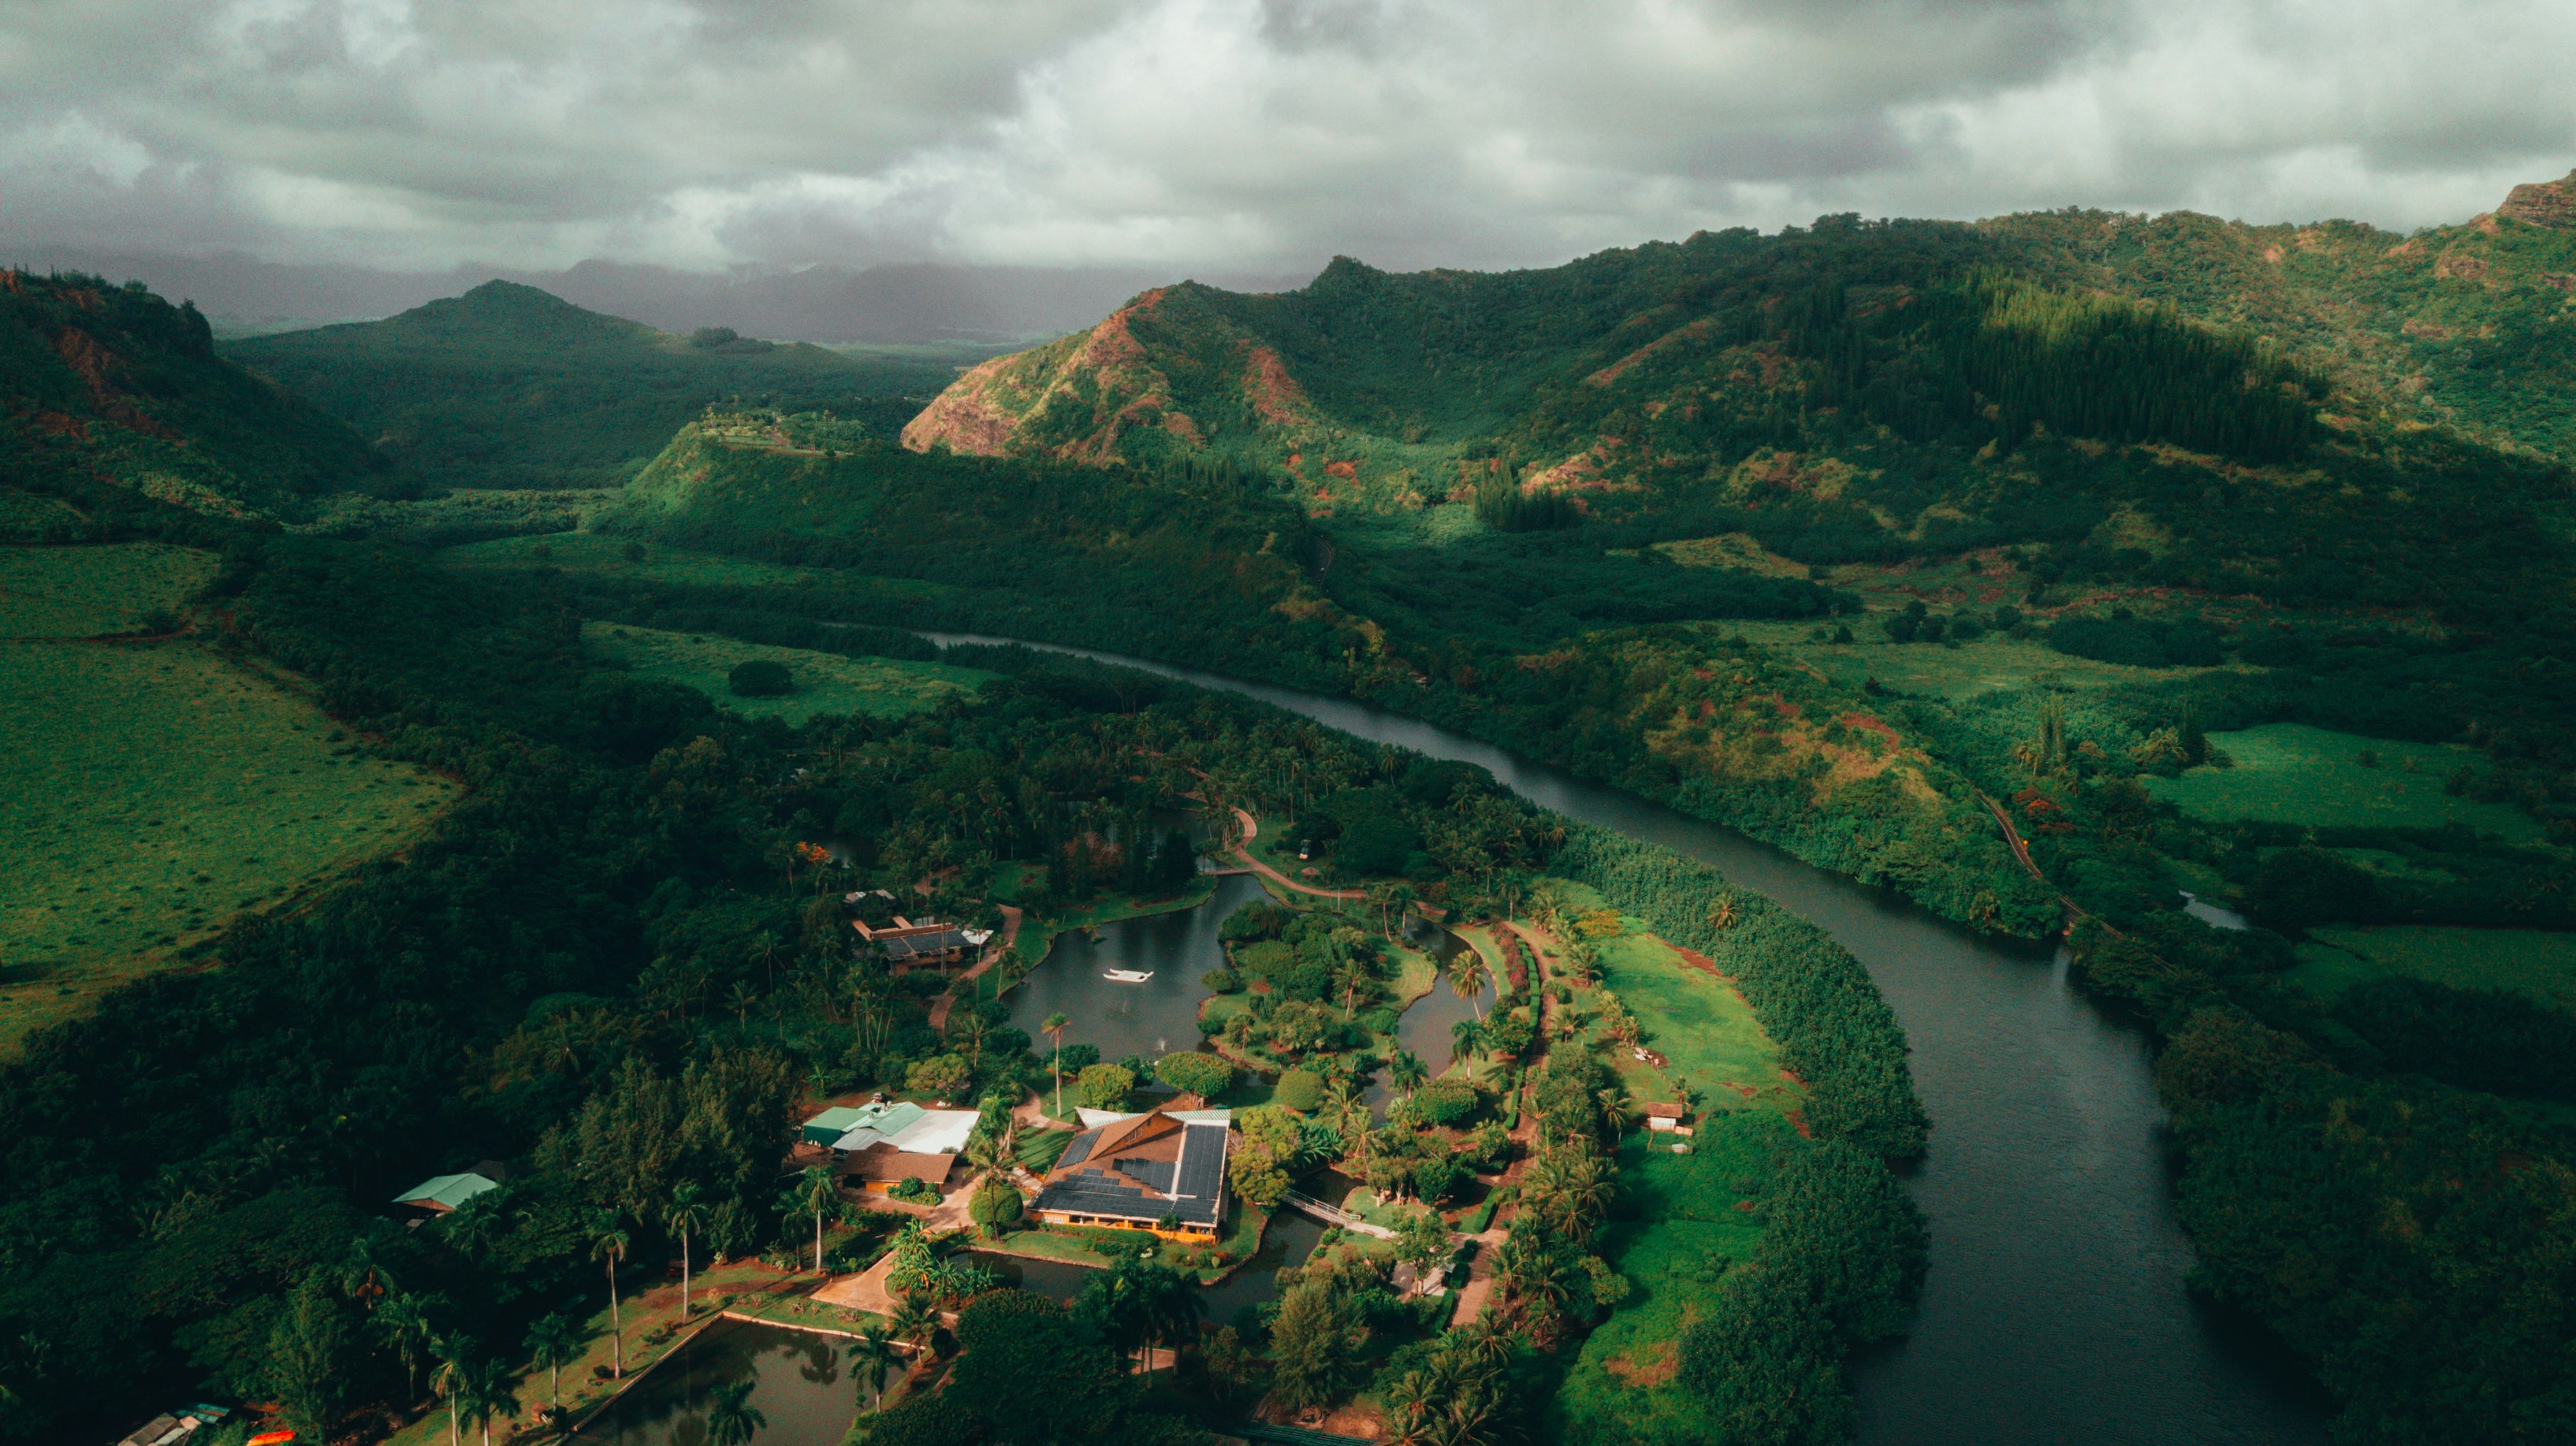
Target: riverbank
{"x": 2056, "y": 1305}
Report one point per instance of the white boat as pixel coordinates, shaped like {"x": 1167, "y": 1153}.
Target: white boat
{"x": 1127, "y": 976}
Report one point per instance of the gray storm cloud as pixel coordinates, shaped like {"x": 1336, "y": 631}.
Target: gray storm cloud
{"x": 1229, "y": 133}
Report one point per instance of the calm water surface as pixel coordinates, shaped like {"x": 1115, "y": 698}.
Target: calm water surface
{"x": 800, "y": 1381}
{"x": 2055, "y": 1309}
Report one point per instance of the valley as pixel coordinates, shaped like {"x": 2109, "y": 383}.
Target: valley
{"x": 527, "y": 724}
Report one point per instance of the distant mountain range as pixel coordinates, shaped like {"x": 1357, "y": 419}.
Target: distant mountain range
{"x": 887, "y": 304}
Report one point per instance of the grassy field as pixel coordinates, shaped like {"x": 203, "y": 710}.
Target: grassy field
{"x": 1620, "y": 1388}
{"x": 149, "y": 792}
{"x": 825, "y": 682}
{"x": 1991, "y": 664}
{"x": 1681, "y": 1229}
{"x": 2528, "y": 961}
{"x": 78, "y": 592}
{"x": 2292, "y": 773}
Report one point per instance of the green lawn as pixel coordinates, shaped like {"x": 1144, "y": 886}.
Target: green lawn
{"x": 151, "y": 791}
{"x": 77, "y": 592}
{"x": 1621, "y": 1387}
{"x": 2292, "y": 773}
{"x": 2528, "y": 961}
{"x": 1680, "y": 1229}
{"x": 1698, "y": 1022}
{"x": 826, "y": 683}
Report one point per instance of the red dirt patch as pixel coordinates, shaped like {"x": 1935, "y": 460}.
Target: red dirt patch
{"x": 1652, "y": 1366}
{"x": 1341, "y": 469}
{"x": 1863, "y": 720}
{"x": 1274, "y": 394}
{"x": 56, "y": 424}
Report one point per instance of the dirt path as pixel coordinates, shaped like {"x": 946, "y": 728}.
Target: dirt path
{"x": 2068, "y": 909}
{"x": 1479, "y": 1289}
{"x": 1251, "y": 831}
{"x": 1009, "y": 935}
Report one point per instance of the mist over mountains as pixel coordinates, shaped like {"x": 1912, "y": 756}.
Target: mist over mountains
{"x": 919, "y": 302}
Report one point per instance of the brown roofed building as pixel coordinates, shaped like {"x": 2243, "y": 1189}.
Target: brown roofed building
{"x": 879, "y": 1168}
{"x": 1155, "y": 1171}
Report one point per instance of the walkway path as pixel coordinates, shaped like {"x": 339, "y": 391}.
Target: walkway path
{"x": 1010, "y": 935}
{"x": 1251, "y": 831}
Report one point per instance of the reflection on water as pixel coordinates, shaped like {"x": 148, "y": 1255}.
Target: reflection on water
{"x": 2055, "y": 1308}
{"x": 1149, "y": 1019}
{"x": 1287, "y": 1240}
{"x": 1059, "y": 1280}
{"x": 800, "y": 1381}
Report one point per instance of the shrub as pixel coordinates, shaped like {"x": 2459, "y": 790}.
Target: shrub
{"x": 995, "y": 1205}
{"x": 1195, "y": 1073}
{"x": 760, "y": 678}
{"x": 1222, "y": 981}
{"x": 1443, "y": 1102}
{"x": 1300, "y": 1090}
{"x": 1105, "y": 1086}
{"x": 941, "y": 1076}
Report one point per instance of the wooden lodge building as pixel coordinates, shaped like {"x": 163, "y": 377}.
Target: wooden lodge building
{"x": 929, "y": 942}
{"x": 1162, "y": 1171}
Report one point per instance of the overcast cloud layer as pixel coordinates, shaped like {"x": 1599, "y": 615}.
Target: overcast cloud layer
{"x": 1230, "y": 135}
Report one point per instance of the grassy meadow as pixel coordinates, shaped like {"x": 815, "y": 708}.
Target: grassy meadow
{"x": 1687, "y": 1220}
{"x": 2526, "y": 961}
{"x": 79, "y": 592}
{"x": 826, "y": 683}
{"x": 2293, "y": 773}
{"x": 151, "y": 792}
{"x": 591, "y": 553}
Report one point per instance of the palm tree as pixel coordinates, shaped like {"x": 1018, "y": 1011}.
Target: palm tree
{"x": 487, "y": 1394}
{"x": 1054, "y": 1026}
{"x": 733, "y": 1420}
{"x": 554, "y": 1342}
{"x": 608, "y": 1243}
{"x": 1722, "y": 917}
{"x": 1465, "y": 1038}
{"x": 972, "y": 1028}
{"x": 873, "y": 1356}
{"x": 815, "y": 1191}
{"x": 1408, "y": 1072}
{"x": 685, "y": 1216}
{"x": 913, "y": 1322}
{"x": 742, "y": 998}
{"x": 1469, "y": 974}
{"x": 404, "y": 1322}
{"x": 453, "y": 1379}
{"x": 363, "y": 1277}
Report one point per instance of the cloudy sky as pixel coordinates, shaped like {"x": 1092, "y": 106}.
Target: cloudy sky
{"x": 1230, "y": 134}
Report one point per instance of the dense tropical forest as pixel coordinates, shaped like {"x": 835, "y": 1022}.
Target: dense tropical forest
{"x": 2198, "y": 590}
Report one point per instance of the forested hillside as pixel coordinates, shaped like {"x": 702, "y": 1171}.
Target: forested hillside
{"x": 115, "y": 384}
{"x": 509, "y": 387}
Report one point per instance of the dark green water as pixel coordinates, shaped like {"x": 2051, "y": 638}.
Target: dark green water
{"x": 801, "y": 1381}
{"x": 2055, "y": 1310}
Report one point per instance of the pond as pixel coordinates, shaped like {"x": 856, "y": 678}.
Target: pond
{"x": 801, "y": 1381}
{"x": 1059, "y": 1280}
{"x": 2055, "y": 1308}
{"x": 1149, "y": 1019}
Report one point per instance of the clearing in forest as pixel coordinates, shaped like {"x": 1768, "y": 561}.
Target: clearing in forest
{"x": 2293, "y": 773}
{"x": 79, "y": 592}
{"x": 151, "y": 790}
{"x": 1687, "y": 1218}
{"x": 826, "y": 683}
{"x": 2527, "y": 961}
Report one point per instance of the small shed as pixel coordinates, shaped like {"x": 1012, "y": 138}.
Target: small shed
{"x": 833, "y": 1123}
{"x": 440, "y": 1194}
{"x": 1663, "y": 1114}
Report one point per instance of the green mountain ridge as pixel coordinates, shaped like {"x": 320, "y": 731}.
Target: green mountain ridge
{"x": 112, "y": 384}
{"x": 508, "y": 386}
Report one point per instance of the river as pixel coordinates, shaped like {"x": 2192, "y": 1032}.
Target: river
{"x": 2055, "y": 1308}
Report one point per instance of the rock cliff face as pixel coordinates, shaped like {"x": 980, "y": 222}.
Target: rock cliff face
{"x": 2543, "y": 203}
